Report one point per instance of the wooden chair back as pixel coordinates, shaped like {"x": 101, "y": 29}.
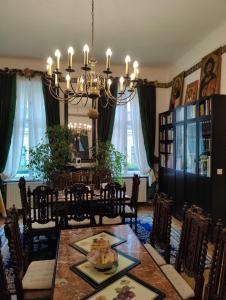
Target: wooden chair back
{"x": 78, "y": 200}
{"x": 12, "y": 233}
{"x": 23, "y": 197}
{"x": 135, "y": 191}
{"x": 41, "y": 202}
{"x": 100, "y": 177}
{"x": 216, "y": 287}
{"x": 61, "y": 180}
{"x": 162, "y": 225}
{"x": 112, "y": 201}
{"x": 192, "y": 251}
{"x": 4, "y": 292}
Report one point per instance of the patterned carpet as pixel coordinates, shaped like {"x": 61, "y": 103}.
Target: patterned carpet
{"x": 42, "y": 251}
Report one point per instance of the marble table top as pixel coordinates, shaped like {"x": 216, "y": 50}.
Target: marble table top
{"x": 69, "y": 286}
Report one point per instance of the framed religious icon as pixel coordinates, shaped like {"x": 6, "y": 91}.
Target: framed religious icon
{"x": 177, "y": 91}
{"x": 210, "y": 74}
{"x": 191, "y": 92}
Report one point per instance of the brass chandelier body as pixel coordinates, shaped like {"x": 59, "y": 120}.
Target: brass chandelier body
{"x": 90, "y": 85}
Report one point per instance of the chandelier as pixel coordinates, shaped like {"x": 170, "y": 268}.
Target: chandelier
{"x": 79, "y": 129}
{"x": 90, "y": 85}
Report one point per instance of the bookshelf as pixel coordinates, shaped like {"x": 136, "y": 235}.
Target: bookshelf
{"x": 193, "y": 166}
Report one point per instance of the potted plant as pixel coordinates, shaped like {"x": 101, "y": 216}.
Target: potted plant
{"x": 108, "y": 159}
{"x": 52, "y": 156}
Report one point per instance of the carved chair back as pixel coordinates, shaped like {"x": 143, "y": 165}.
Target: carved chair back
{"x": 112, "y": 201}
{"x": 12, "y": 233}
{"x": 162, "y": 225}
{"x": 23, "y": 197}
{"x": 78, "y": 200}
{"x": 41, "y": 202}
{"x": 101, "y": 177}
{"x": 135, "y": 192}
{"x": 61, "y": 180}
{"x": 216, "y": 287}
{"x": 4, "y": 292}
{"x": 192, "y": 251}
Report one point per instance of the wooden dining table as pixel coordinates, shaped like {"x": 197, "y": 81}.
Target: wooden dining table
{"x": 68, "y": 285}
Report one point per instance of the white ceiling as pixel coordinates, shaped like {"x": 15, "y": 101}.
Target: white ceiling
{"x": 155, "y": 32}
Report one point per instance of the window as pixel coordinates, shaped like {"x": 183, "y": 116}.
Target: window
{"x": 127, "y": 137}
{"x": 29, "y": 125}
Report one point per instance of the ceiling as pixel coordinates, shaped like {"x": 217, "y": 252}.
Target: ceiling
{"x": 155, "y": 32}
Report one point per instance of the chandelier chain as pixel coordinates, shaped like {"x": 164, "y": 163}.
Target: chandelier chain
{"x": 92, "y": 27}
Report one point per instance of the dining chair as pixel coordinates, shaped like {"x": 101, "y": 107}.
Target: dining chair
{"x": 42, "y": 220}
{"x": 216, "y": 286}
{"x": 33, "y": 280}
{"x": 191, "y": 255}
{"x": 110, "y": 209}
{"x": 61, "y": 180}
{"x": 76, "y": 211}
{"x": 131, "y": 208}
{"x": 4, "y": 292}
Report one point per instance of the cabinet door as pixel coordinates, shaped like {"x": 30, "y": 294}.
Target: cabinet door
{"x": 191, "y": 148}
{"x": 205, "y": 148}
{"x": 179, "y": 155}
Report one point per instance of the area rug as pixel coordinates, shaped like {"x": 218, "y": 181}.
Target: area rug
{"x": 144, "y": 227}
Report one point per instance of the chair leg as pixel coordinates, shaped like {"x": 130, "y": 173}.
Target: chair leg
{"x": 135, "y": 224}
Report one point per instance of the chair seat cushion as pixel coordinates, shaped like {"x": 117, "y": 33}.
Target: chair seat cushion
{"x": 77, "y": 223}
{"x": 48, "y": 225}
{"x": 160, "y": 261}
{"x": 109, "y": 221}
{"x": 129, "y": 210}
{"x": 182, "y": 287}
{"x": 39, "y": 275}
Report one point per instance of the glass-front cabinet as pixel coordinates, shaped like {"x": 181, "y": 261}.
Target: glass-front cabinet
{"x": 179, "y": 147}
{"x": 205, "y": 148}
{"x": 191, "y": 148}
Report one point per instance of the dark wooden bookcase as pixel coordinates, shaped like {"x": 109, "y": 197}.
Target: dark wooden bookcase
{"x": 197, "y": 174}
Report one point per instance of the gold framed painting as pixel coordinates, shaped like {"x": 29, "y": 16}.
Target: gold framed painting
{"x": 177, "y": 91}
{"x": 191, "y": 92}
{"x": 210, "y": 74}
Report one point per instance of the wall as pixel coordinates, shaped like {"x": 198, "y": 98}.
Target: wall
{"x": 214, "y": 40}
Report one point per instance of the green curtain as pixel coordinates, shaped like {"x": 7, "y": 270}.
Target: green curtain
{"x": 85, "y": 144}
{"x": 51, "y": 106}
{"x": 106, "y": 115}
{"x": 7, "y": 113}
{"x": 147, "y": 101}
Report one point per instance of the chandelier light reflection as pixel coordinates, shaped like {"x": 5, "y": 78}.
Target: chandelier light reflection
{"x": 90, "y": 85}
{"x": 79, "y": 129}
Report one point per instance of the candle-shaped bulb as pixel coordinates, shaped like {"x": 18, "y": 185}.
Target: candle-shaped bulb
{"x": 121, "y": 80}
{"x": 49, "y": 62}
{"x": 109, "y": 82}
{"x": 58, "y": 55}
{"x": 70, "y": 54}
{"x": 86, "y": 54}
{"x": 132, "y": 77}
{"x": 135, "y": 66}
{"x": 108, "y": 54}
{"x": 127, "y": 61}
{"x": 68, "y": 79}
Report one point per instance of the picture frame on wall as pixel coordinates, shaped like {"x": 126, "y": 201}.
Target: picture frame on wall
{"x": 210, "y": 74}
{"x": 177, "y": 91}
{"x": 191, "y": 92}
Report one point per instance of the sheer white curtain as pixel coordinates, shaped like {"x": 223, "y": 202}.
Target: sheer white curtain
{"x": 139, "y": 148}
{"x": 119, "y": 135}
{"x": 29, "y": 100}
{"x": 125, "y": 119}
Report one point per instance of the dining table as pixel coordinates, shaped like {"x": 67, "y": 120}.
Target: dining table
{"x": 69, "y": 285}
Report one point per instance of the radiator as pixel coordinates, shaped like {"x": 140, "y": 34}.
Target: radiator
{"x": 13, "y": 192}
{"x": 142, "y": 196}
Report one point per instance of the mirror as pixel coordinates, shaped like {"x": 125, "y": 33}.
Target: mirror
{"x": 84, "y": 127}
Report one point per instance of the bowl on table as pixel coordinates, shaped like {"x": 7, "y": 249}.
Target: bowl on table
{"x": 102, "y": 260}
